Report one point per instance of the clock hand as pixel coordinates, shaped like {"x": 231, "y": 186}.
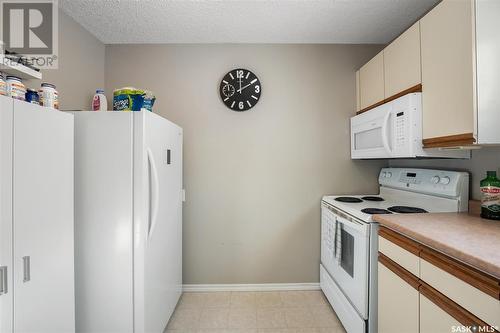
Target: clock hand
{"x": 248, "y": 85}
{"x": 240, "y": 86}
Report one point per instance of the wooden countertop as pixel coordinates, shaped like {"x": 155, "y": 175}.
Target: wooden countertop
{"x": 467, "y": 238}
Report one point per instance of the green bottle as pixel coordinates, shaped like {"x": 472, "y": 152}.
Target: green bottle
{"x": 490, "y": 196}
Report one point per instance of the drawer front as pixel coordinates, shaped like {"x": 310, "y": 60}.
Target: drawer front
{"x": 434, "y": 319}
{"x": 402, "y": 257}
{"x": 470, "y": 298}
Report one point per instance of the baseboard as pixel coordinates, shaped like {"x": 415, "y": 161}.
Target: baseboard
{"x": 250, "y": 287}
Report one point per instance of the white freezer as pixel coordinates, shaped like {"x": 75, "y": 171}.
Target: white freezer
{"x": 128, "y": 221}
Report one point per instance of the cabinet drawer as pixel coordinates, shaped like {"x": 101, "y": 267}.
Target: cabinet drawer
{"x": 400, "y": 249}
{"x": 482, "y": 305}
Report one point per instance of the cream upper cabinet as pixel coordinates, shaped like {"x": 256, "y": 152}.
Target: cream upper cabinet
{"x": 371, "y": 81}
{"x": 357, "y": 92}
{"x": 402, "y": 62}
{"x": 398, "y": 303}
{"x": 447, "y": 47}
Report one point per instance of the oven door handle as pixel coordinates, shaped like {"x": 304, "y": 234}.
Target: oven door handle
{"x": 338, "y": 243}
{"x": 335, "y": 239}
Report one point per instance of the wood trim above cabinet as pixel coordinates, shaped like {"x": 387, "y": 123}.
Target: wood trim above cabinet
{"x": 457, "y": 140}
{"x": 453, "y": 309}
{"x": 414, "y": 89}
{"x": 400, "y": 240}
{"x": 411, "y": 279}
{"x": 474, "y": 277}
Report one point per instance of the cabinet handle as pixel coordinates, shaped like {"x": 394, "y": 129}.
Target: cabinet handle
{"x": 26, "y": 269}
{"x": 4, "y": 287}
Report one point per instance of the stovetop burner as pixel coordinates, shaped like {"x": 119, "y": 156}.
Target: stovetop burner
{"x": 348, "y": 199}
{"x": 372, "y": 198}
{"x": 375, "y": 211}
{"x": 406, "y": 209}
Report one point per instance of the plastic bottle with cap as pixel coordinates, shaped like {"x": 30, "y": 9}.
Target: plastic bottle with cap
{"x": 99, "y": 102}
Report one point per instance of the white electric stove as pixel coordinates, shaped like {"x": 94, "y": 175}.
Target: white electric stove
{"x": 348, "y": 270}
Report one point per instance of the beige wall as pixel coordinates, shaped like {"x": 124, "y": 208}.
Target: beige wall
{"x": 254, "y": 180}
{"x": 81, "y": 66}
{"x": 484, "y": 159}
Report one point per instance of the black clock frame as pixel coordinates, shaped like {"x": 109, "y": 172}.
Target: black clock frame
{"x": 240, "y": 89}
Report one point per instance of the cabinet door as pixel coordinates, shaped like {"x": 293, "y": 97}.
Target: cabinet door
{"x": 402, "y": 62}
{"x": 447, "y": 70}
{"x": 397, "y": 303}
{"x": 6, "y": 290}
{"x": 434, "y": 319}
{"x": 357, "y": 92}
{"x": 371, "y": 81}
{"x": 43, "y": 220}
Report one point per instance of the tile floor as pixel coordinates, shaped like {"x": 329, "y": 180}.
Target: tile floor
{"x": 254, "y": 312}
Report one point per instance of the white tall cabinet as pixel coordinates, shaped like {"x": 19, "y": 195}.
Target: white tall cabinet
{"x": 36, "y": 226}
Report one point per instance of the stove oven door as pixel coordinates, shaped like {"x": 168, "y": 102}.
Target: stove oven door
{"x": 348, "y": 257}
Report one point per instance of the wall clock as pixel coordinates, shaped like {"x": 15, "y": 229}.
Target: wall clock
{"x": 240, "y": 89}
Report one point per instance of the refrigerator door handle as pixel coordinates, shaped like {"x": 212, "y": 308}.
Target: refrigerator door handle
{"x": 154, "y": 190}
{"x": 26, "y": 269}
{"x": 4, "y": 286}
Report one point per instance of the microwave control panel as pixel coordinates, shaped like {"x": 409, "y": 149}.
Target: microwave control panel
{"x": 400, "y": 121}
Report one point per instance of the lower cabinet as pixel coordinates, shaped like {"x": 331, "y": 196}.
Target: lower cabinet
{"x": 435, "y": 319}
{"x": 442, "y": 295}
{"x": 397, "y": 303}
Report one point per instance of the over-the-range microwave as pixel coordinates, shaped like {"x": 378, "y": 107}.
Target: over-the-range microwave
{"x": 394, "y": 130}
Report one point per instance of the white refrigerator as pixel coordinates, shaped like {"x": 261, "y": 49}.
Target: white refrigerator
{"x": 128, "y": 221}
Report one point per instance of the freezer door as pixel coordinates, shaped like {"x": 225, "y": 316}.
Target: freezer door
{"x": 43, "y": 220}
{"x": 159, "y": 265}
{"x": 6, "y": 290}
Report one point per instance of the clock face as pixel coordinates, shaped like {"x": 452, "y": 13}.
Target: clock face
{"x": 240, "y": 89}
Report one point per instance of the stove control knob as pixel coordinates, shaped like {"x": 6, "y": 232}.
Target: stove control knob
{"x": 388, "y": 174}
{"x": 445, "y": 180}
{"x": 435, "y": 179}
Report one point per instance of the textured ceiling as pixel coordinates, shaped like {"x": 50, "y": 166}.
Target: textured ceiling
{"x": 243, "y": 21}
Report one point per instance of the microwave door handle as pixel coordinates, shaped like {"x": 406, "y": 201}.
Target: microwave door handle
{"x": 385, "y": 139}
